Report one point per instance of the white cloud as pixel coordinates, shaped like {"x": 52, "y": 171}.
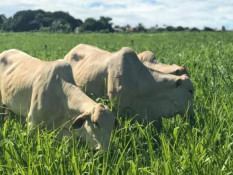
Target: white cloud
{"x": 190, "y": 13}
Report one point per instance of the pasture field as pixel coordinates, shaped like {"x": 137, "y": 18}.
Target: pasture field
{"x": 179, "y": 148}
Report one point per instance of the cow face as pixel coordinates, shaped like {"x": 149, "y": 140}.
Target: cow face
{"x": 177, "y": 98}
{"x": 183, "y": 95}
{"x": 95, "y": 127}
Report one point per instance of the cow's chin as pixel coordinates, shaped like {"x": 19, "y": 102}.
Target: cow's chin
{"x": 87, "y": 138}
{"x": 93, "y": 142}
{"x": 186, "y": 111}
{"x": 99, "y": 147}
{"x": 96, "y": 145}
{"x": 174, "y": 111}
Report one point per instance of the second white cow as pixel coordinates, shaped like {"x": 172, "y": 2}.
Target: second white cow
{"x": 128, "y": 82}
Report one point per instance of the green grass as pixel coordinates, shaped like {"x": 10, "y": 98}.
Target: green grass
{"x": 179, "y": 148}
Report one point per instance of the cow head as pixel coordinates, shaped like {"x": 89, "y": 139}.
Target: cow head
{"x": 95, "y": 127}
{"x": 185, "y": 94}
{"x": 176, "y": 97}
{"x": 169, "y": 95}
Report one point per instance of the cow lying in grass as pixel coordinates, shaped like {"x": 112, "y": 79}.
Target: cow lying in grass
{"x": 149, "y": 60}
{"x": 124, "y": 78}
{"x": 46, "y": 92}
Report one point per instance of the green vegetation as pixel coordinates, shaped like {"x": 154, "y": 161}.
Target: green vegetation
{"x": 206, "y": 148}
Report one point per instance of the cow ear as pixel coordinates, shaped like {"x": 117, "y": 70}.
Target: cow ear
{"x": 178, "y": 83}
{"x": 79, "y": 121}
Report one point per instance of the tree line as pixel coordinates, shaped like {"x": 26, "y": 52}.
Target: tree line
{"x": 59, "y": 21}
{"x": 39, "y": 20}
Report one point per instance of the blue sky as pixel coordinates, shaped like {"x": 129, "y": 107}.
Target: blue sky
{"x": 187, "y": 13}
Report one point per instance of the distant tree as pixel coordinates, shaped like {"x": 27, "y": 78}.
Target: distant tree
{"x": 223, "y": 28}
{"x": 140, "y": 28}
{"x": 180, "y": 28}
{"x": 23, "y": 21}
{"x": 152, "y": 29}
{"x": 8, "y": 25}
{"x": 67, "y": 18}
{"x": 170, "y": 28}
{"x": 88, "y": 25}
{"x": 208, "y": 29}
{"x": 30, "y": 20}
{"x": 60, "y": 26}
{"x": 106, "y": 24}
{"x": 101, "y": 25}
{"x": 34, "y": 25}
{"x": 160, "y": 29}
{"x": 45, "y": 18}
{"x": 2, "y": 19}
{"x": 194, "y": 29}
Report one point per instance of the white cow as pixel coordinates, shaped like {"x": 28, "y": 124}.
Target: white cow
{"x": 149, "y": 60}
{"x": 46, "y": 92}
{"x": 123, "y": 77}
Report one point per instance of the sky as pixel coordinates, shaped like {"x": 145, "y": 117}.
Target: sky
{"x": 186, "y": 13}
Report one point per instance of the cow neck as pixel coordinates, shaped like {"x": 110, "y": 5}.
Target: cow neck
{"x": 77, "y": 101}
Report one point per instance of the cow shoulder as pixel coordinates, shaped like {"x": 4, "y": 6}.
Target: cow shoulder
{"x": 125, "y": 56}
{"x": 5, "y": 57}
{"x": 63, "y": 70}
{"x": 129, "y": 60}
{"x": 49, "y": 88}
{"x": 78, "y": 53}
{"x": 124, "y": 72}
